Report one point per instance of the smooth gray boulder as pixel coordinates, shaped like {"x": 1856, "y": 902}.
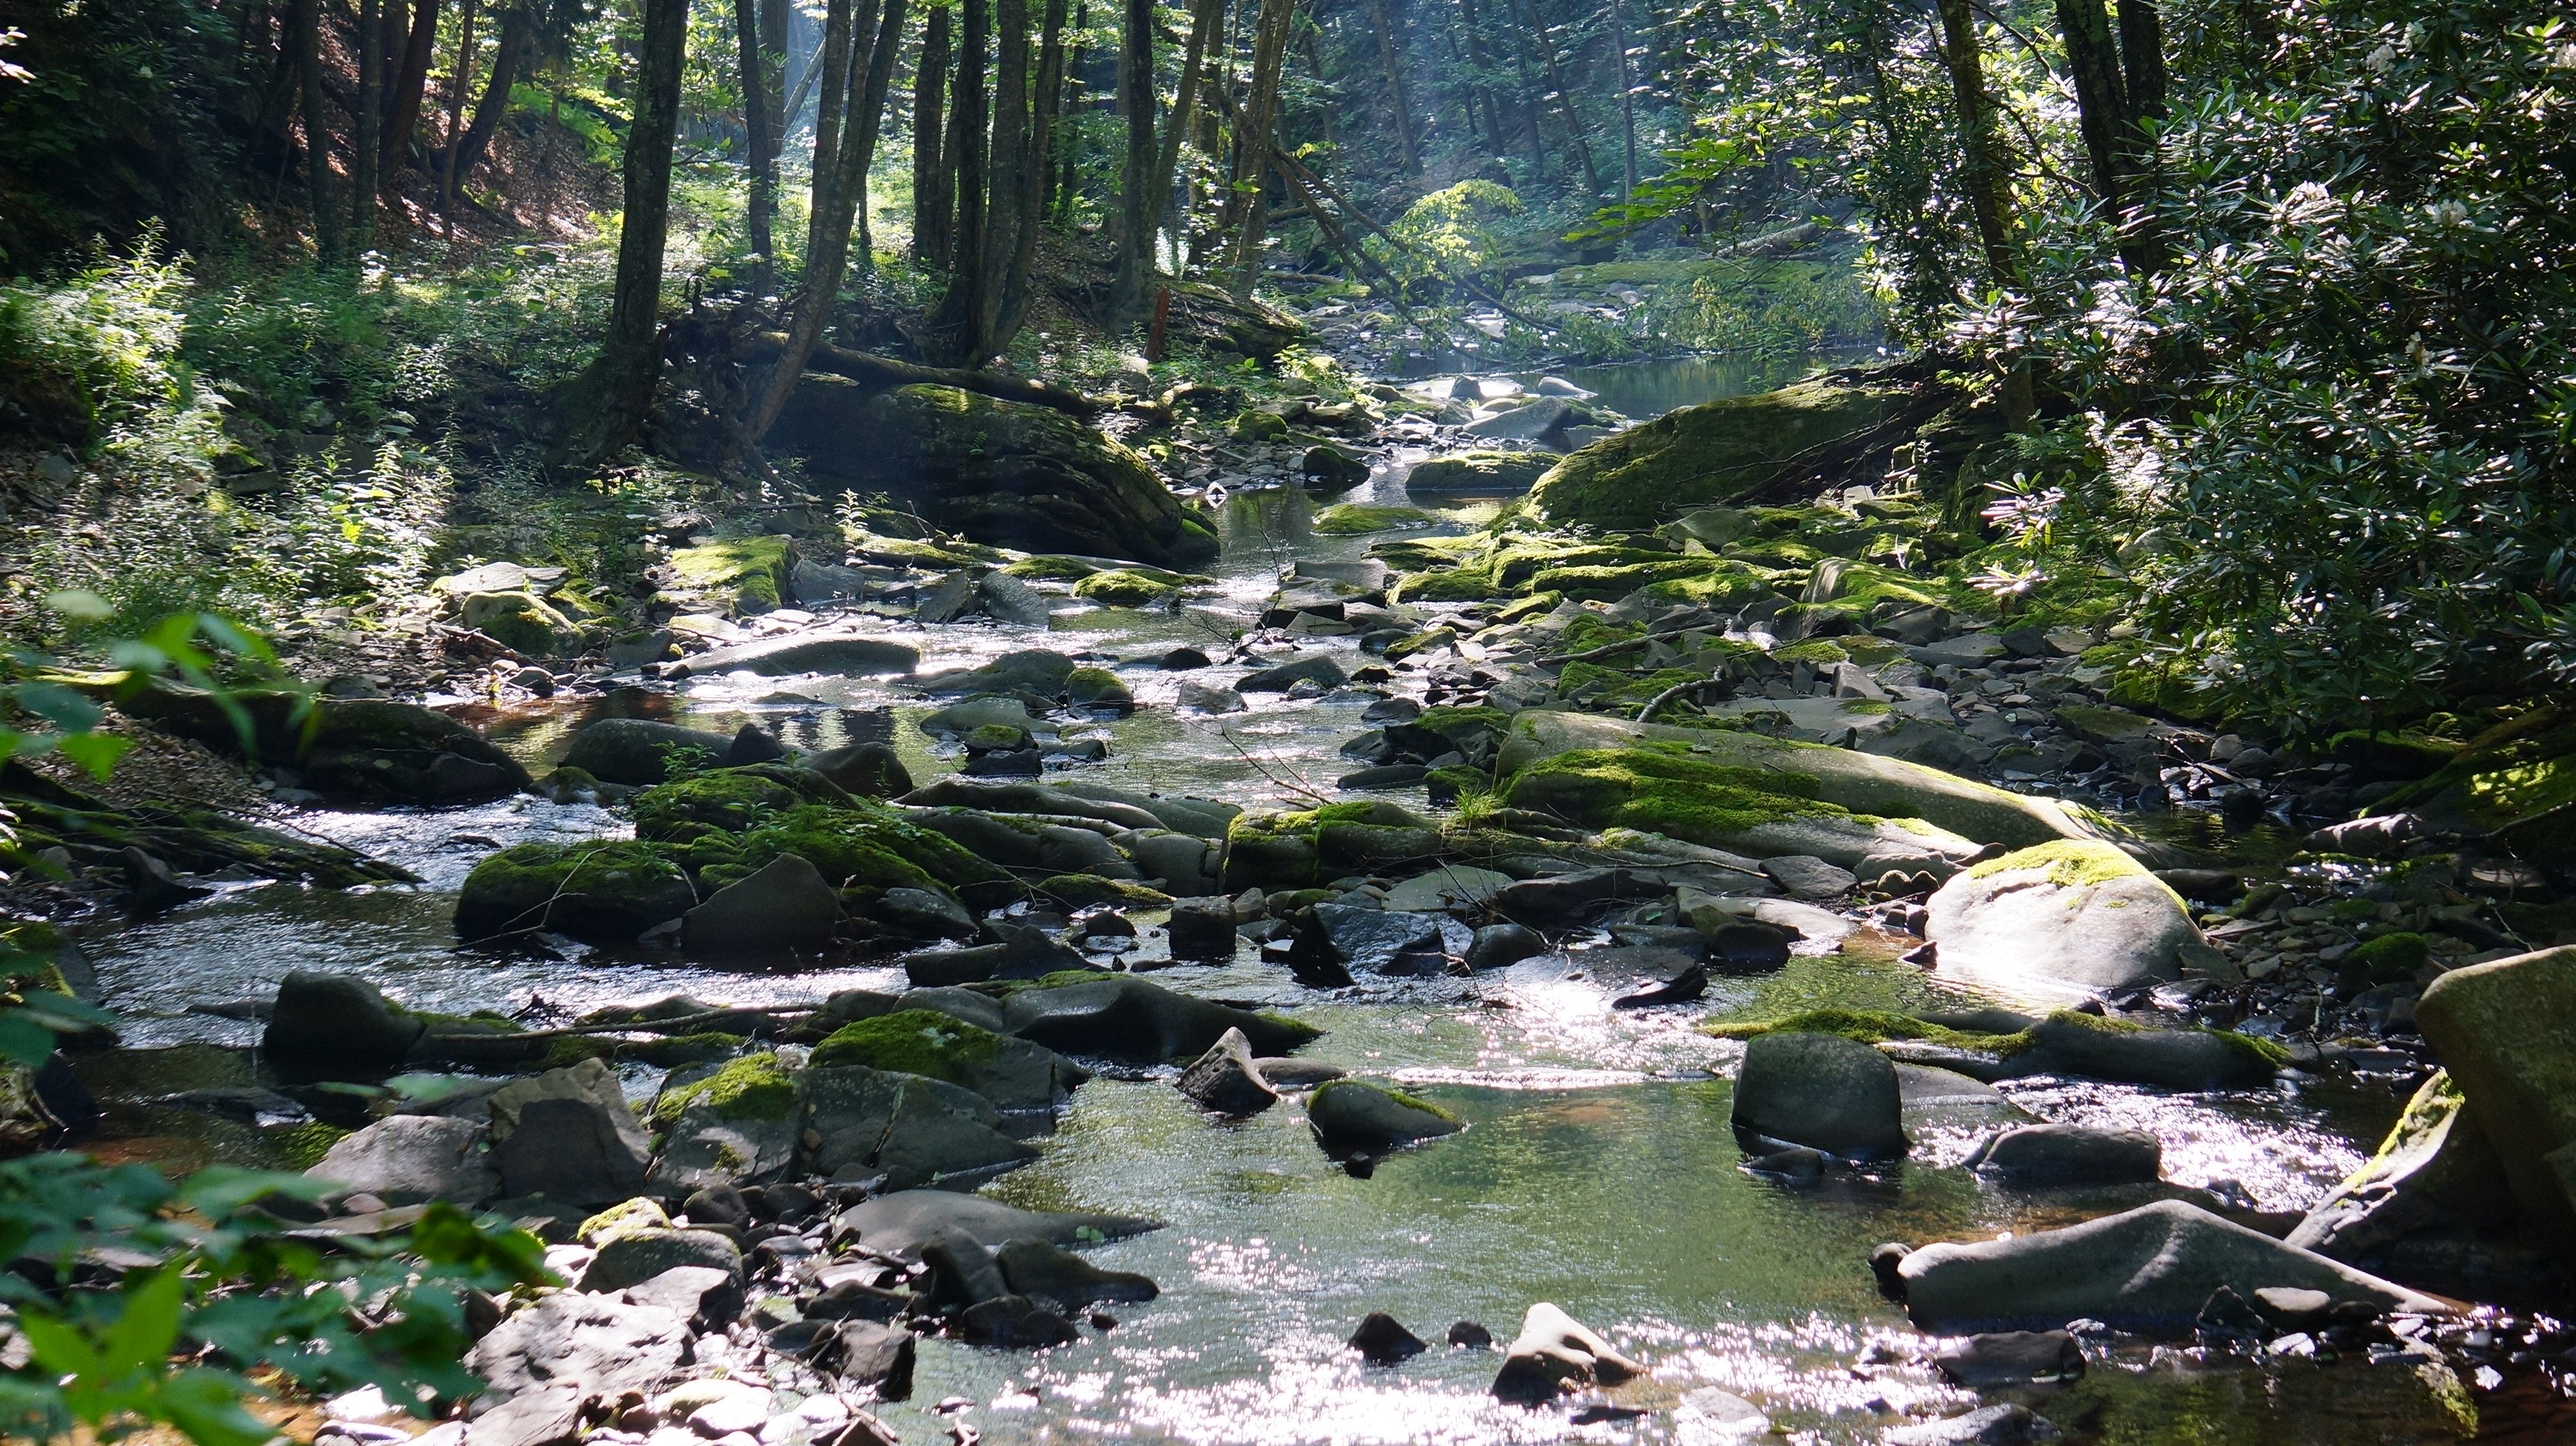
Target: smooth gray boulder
{"x": 636, "y": 1256}
{"x": 1821, "y": 1091}
{"x": 712, "y": 1144}
{"x": 2059, "y": 922}
{"x": 2149, "y": 1269}
{"x": 858, "y": 1123}
{"x": 638, "y": 751}
{"x": 864, "y": 770}
{"x": 1280, "y": 677}
{"x": 338, "y": 1021}
{"x": 569, "y": 1135}
{"x": 705, "y": 1297}
{"x": 408, "y": 1159}
{"x": 2069, "y": 1155}
{"x": 2084, "y": 1045}
{"x": 595, "y": 1345}
{"x": 2435, "y": 1169}
{"x": 1349, "y": 1113}
{"x": 844, "y": 653}
{"x": 1045, "y": 1271}
{"x": 1123, "y": 1017}
{"x": 784, "y": 906}
{"x": 899, "y": 1224}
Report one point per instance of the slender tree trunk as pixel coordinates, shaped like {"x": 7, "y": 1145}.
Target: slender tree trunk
{"x": 1252, "y": 176}
{"x": 760, "y": 143}
{"x": 934, "y": 197}
{"x": 518, "y": 28}
{"x": 410, "y": 87}
{"x": 1003, "y": 172}
{"x": 2101, "y": 102}
{"x": 366, "y": 125}
{"x": 608, "y": 402}
{"x": 949, "y": 335}
{"x": 871, "y": 100}
{"x": 1982, "y": 172}
{"x": 304, "y": 34}
{"x": 839, "y": 28}
{"x": 1138, "y": 217}
{"x": 458, "y": 82}
{"x": 1391, "y": 62}
{"x": 1031, "y": 181}
{"x": 777, "y": 40}
{"x": 1529, "y": 101}
{"x": 2142, "y": 74}
{"x": 1207, "y": 21}
{"x": 1627, "y": 104}
{"x": 1060, "y": 175}
{"x": 1565, "y": 100}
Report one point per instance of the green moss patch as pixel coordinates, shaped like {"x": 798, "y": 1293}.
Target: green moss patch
{"x": 911, "y": 1041}
{"x": 2386, "y": 959}
{"x": 1083, "y": 891}
{"x": 748, "y": 572}
{"x": 1663, "y": 789}
{"x": 726, "y": 800}
{"x": 754, "y": 1087}
{"x": 1123, "y": 588}
{"x": 1868, "y": 1026}
{"x": 1353, "y": 518}
{"x": 860, "y": 845}
{"x": 2069, "y": 863}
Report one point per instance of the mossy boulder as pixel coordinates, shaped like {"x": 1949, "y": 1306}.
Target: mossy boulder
{"x": 2507, "y": 1032}
{"x": 1353, "y": 518}
{"x": 746, "y": 574}
{"x": 2511, "y": 783}
{"x": 1353, "y": 1114}
{"x": 520, "y": 621}
{"x": 368, "y": 750}
{"x": 605, "y": 891}
{"x": 857, "y": 845}
{"x": 1664, "y": 788}
{"x": 1725, "y": 451}
{"x": 912, "y": 1130}
{"x": 1006, "y": 473}
{"x": 1483, "y": 472}
{"x": 1305, "y": 847}
{"x": 732, "y": 1127}
{"x": 726, "y": 800}
{"x": 1097, "y": 688}
{"x": 1123, "y": 588}
{"x": 643, "y": 751}
{"x": 2060, "y": 920}
{"x": 1258, "y": 425}
{"x": 1013, "y": 1074}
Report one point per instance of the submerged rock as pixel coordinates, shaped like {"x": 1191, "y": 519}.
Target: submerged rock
{"x": 1044, "y": 1271}
{"x": 2011, "y": 1358}
{"x": 2151, "y": 1268}
{"x": 849, "y": 654}
{"x": 1010, "y": 474}
{"x": 1348, "y": 1113}
{"x": 1821, "y": 1091}
{"x": 1479, "y": 471}
{"x": 2069, "y": 1155}
{"x": 2059, "y": 921}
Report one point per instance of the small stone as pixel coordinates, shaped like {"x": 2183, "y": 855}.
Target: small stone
{"x": 1226, "y": 1080}
{"x": 1381, "y": 1341}
{"x": 1468, "y": 1335}
{"x": 1496, "y": 945}
{"x": 2011, "y": 1358}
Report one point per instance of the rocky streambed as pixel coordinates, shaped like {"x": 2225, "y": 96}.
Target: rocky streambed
{"x": 933, "y": 990}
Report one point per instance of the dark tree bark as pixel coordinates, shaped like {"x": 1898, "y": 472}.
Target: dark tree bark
{"x": 934, "y": 194}
{"x": 2142, "y": 60}
{"x": 607, "y": 403}
{"x": 1391, "y": 62}
{"x": 1207, "y": 22}
{"x": 1031, "y": 181}
{"x": 1138, "y": 217}
{"x": 2101, "y": 102}
{"x": 1565, "y": 99}
{"x": 1004, "y": 170}
{"x": 460, "y": 80}
{"x": 1982, "y": 174}
{"x": 366, "y": 125}
{"x": 1529, "y": 101}
{"x": 1261, "y": 111}
{"x": 304, "y": 31}
{"x": 777, "y": 42}
{"x": 876, "y": 79}
{"x": 948, "y": 335}
{"x": 509, "y": 61}
{"x": 839, "y": 35}
{"x": 410, "y": 85}
{"x": 760, "y": 142}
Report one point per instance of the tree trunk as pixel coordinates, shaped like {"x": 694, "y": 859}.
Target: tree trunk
{"x": 304, "y": 31}
{"x": 1138, "y": 218}
{"x": 518, "y": 28}
{"x": 1391, "y": 62}
{"x": 1031, "y": 182}
{"x": 760, "y": 142}
{"x": 366, "y": 126}
{"x": 1627, "y": 104}
{"x": 2101, "y": 102}
{"x": 1252, "y": 176}
{"x": 1207, "y": 22}
{"x": 777, "y": 42}
{"x": 1565, "y": 100}
{"x": 608, "y": 402}
{"x": 840, "y": 196}
{"x": 1982, "y": 172}
{"x": 1529, "y": 102}
{"x": 410, "y": 86}
{"x": 948, "y": 335}
{"x": 458, "y": 82}
{"x": 934, "y": 196}
{"x": 2142, "y": 74}
{"x": 1004, "y": 171}
{"x": 838, "y": 29}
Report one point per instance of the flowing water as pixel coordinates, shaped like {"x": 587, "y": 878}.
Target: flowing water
{"x": 1598, "y": 1170}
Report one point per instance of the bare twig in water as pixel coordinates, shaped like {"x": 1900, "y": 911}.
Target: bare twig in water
{"x": 1265, "y": 768}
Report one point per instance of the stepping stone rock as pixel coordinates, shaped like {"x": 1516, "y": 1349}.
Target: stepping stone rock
{"x": 333, "y": 1020}
{"x": 2004, "y": 1425}
{"x": 1822, "y": 1091}
{"x": 2060, "y": 921}
{"x": 2070, "y": 1155}
{"x": 569, "y": 1135}
{"x": 2502, "y": 1029}
{"x": 408, "y": 1159}
{"x": 1499, "y": 944}
{"x": 637, "y": 751}
{"x": 1226, "y": 1080}
{"x": 2011, "y": 1358}
{"x": 638, "y": 1256}
{"x": 597, "y": 1346}
{"x": 784, "y": 906}
{"x": 1050, "y": 1273}
{"x": 1284, "y": 676}
{"x": 1383, "y": 1341}
{"x": 1808, "y": 877}
{"x": 1554, "y": 1354}
{"x": 705, "y": 1297}
{"x": 1348, "y": 1113}
{"x": 1126, "y": 1018}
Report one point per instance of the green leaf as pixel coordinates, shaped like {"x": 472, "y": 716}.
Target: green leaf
{"x": 220, "y": 1190}
{"x": 207, "y": 1406}
{"x": 24, "y": 1039}
{"x": 95, "y": 753}
{"x": 80, "y": 605}
{"x": 63, "y": 707}
{"x": 142, "y": 1336}
{"x": 59, "y": 1347}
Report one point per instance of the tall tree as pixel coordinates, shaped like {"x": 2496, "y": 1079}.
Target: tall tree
{"x": 934, "y": 191}
{"x": 410, "y": 85}
{"x": 1982, "y": 176}
{"x": 365, "y": 126}
{"x": 459, "y": 81}
{"x": 1207, "y": 23}
{"x": 1390, "y": 61}
{"x": 2101, "y": 100}
{"x": 1003, "y": 172}
{"x": 1138, "y": 218}
{"x": 609, "y": 400}
{"x": 948, "y": 335}
{"x": 840, "y": 32}
{"x": 760, "y": 141}
{"x": 1031, "y": 182}
{"x": 304, "y": 28}
{"x": 509, "y": 62}
{"x": 1249, "y": 210}
{"x": 1564, "y": 99}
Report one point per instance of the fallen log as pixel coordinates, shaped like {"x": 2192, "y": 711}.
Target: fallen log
{"x": 885, "y": 374}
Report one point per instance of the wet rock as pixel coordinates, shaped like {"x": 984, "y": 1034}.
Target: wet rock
{"x": 1182, "y": 660}
{"x": 1347, "y": 1113}
{"x": 1383, "y": 1341}
{"x": 705, "y": 1297}
{"x": 783, "y": 906}
{"x": 901, "y": 1223}
{"x": 1375, "y": 941}
{"x": 1199, "y": 698}
{"x": 856, "y": 1123}
{"x": 1806, "y": 877}
{"x": 1203, "y": 928}
{"x": 2011, "y": 1358}
{"x": 638, "y": 751}
{"x": 569, "y": 1135}
{"x": 1690, "y": 984}
{"x": 1485, "y": 472}
{"x": 2004, "y": 1425}
{"x": 1524, "y": 423}
{"x": 2151, "y": 1268}
{"x": 2059, "y": 921}
{"x": 1883, "y": 1263}
{"x": 1013, "y": 1074}
{"x": 597, "y": 1346}
{"x": 1127, "y": 1018}
{"x": 921, "y": 914}
{"x": 1226, "y": 1080}
{"x": 843, "y": 653}
{"x": 636, "y": 1256}
{"x": 407, "y": 1159}
{"x": 2436, "y": 1168}
{"x": 962, "y": 1270}
{"x": 2072, "y": 1043}
{"x": 753, "y": 744}
{"x": 2501, "y": 1029}
{"x": 151, "y": 887}
{"x": 1004, "y": 473}
{"x": 602, "y": 892}
{"x": 1554, "y": 1354}
{"x": 1013, "y": 1322}
{"x": 1468, "y": 1335}
{"x": 1392, "y": 775}
{"x": 1822, "y": 1091}
{"x": 734, "y": 1127}
{"x": 1047, "y": 1272}
{"x": 2291, "y": 1308}
{"x": 853, "y": 1300}
{"x": 1747, "y": 946}
{"x": 336, "y": 1021}
{"x": 1282, "y": 1073}
{"x": 867, "y": 1355}
{"x": 1280, "y": 677}
{"x": 1499, "y": 944}
{"x": 2069, "y": 1155}
{"x": 1006, "y": 599}
{"x": 1793, "y": 1164}
{"x": 864, "y": 770}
